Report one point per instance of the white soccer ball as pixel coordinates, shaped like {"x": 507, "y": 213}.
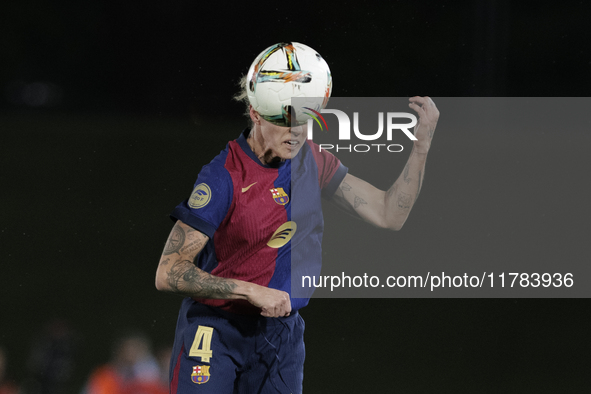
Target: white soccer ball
{"x": 285, "y": 71}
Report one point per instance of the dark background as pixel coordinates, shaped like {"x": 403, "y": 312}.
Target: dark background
{"x": 109, "y": 109}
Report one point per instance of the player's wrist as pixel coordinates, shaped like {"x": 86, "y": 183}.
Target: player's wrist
{"x": 244, "y": 290}
{"x": 421, "y": 148}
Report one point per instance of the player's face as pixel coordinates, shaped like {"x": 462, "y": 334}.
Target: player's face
{"x": 279, "y": 142}
{"x": 284, "y": 142}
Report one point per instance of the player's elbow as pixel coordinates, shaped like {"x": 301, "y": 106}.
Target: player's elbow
{"x": 395, "y": 227}
{"x": 394, "y": 224}
{"x": 158, "y": 283}
{"x": 384, "y": 225}
{"x": 398, "y": 223}
{"x": 388, "y": 218}
{"x": 161, "y": 283}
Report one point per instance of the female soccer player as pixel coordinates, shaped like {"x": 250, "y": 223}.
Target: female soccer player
{"x": 230, "y": 251}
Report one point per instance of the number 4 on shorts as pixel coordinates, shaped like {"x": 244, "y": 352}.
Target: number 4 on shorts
{"x": 202, "y": 344}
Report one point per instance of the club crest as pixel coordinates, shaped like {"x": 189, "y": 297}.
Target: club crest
{"x": 200, "y": 374}
{"x": 280, "y": 196}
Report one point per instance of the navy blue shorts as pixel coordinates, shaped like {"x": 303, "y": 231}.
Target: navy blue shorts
{"x": 219, "y": 352}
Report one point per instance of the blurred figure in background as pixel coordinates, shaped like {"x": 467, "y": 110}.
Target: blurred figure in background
{"x": 51, "y": 361}
{"x": 163, "y": 354}
{"x": 7, "y": 386}
{"x": 132, "y": 370}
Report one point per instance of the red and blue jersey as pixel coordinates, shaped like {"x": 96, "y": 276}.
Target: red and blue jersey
{"x": 261, "y": 220}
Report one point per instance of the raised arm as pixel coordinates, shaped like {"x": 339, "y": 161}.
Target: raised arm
{"x": 178, "y": 274}
{"x": 390, "y": 209}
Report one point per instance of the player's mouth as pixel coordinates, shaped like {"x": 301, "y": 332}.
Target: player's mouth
{"x": 292, "y": 144}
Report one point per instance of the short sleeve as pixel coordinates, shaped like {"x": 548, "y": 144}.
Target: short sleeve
{"x": 209, "y": 202}
{"x": 331, "y": 171}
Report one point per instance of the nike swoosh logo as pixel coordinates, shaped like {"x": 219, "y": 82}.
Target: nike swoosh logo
{"x": 247, "y": 187}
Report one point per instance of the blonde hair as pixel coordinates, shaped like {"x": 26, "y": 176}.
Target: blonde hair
{"x": 242, "y": 96}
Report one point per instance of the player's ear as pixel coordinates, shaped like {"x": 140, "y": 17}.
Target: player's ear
{"x": 254, "y": 116}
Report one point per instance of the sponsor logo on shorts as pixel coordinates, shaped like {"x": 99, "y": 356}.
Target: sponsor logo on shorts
{"x": 280, "y": 196}
{"x": 200, "y": 374}
{"x": 200, "y": 196}
{"x": 282, "y": 235}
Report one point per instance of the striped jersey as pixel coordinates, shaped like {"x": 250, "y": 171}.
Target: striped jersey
{"x": 265, "y": 223}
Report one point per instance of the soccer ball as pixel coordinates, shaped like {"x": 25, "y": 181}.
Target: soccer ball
{"x": 285, "y": 71}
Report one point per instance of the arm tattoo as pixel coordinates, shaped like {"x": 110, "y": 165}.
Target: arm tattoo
{"x": 345, "y": 187}
{"x": 164, "y": 262}
{"x": 358, "y": 201}
{"x": 404, "y": 200}
{"x": 175, "y": 241}
{"x": 184, "y": 278}
{"x": 192, "y": 248}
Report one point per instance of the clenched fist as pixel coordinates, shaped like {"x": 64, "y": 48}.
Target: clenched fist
{"x": 428, "y": 117}
{"x": 274, "y": 303}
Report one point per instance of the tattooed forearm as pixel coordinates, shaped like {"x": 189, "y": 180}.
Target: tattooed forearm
{"x": 186, "y": 279}
{"x": 176, "y": 240}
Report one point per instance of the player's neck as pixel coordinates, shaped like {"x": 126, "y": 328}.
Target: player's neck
{"x": 257, "y": 146}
